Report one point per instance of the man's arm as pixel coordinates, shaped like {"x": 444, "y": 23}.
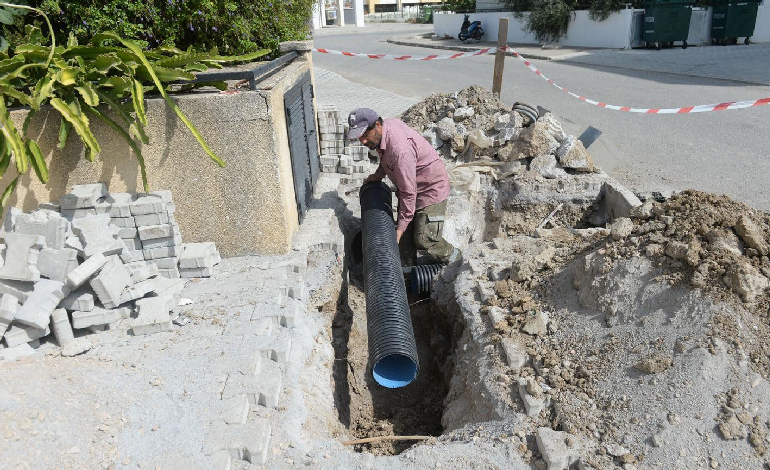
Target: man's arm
{"x": 405, "y": 179}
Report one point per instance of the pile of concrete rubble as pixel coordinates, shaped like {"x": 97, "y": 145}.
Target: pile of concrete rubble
{"x": 91, "y": 260}
{"x": 474, "y": 125}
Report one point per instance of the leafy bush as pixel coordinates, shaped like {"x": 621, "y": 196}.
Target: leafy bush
{"x": 460, "y": 6}
{"x": 231, "y": 26}
{"x": 549, "y": 19}
{"x": 75, "y": 80}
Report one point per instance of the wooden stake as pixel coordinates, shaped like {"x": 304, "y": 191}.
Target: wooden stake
{"x": 369, "y": 440}
{"x": 502, "y": 41}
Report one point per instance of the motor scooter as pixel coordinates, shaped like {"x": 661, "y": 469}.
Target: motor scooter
{"x": 470, "y": 30}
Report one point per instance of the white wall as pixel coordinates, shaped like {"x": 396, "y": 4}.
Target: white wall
{"x": 615, "y": 32}
{"x": 762, "y": 28}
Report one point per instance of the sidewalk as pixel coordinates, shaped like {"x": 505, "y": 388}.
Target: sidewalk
{"x": 743, "y": 64}
{"x": 332, "y": 88}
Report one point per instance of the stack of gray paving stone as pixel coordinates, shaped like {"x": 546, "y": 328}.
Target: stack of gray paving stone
{"x": 338, "y": 155}
{"x": 90, "y": 261}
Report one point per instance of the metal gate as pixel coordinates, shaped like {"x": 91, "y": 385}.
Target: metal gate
{"x": 303, "y": 144}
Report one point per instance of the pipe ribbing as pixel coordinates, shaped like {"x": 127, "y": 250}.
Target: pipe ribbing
{"x": 392, "y": 347}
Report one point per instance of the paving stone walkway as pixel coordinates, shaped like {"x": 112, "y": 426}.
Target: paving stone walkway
{"x": 332, "y": 88}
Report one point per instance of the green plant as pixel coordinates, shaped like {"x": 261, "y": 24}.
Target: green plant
{"x": 231, "y": 26}
{"x": 460, "y": 6}
{"x": 8, "y": 16}
{"x": 548, "y": 20}
{"x": 75, "y": 80}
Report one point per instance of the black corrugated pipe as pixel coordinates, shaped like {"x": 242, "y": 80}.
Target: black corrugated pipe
{"x": 392, "y": 348}
{"x": 422, "y": 277}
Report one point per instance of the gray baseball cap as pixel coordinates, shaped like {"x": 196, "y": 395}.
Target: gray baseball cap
{"x": 359, "y": 120}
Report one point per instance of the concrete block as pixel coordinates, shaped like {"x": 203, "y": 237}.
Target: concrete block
{"x": 116, "y": 205}
{"x": 123, "y": 222}
{"x": 147, "y": 204}
{"x": 99, "y": 316}
{"x": 515, "y": 354}
{"x": 56, "y": 264}
{"x": 47, "y": 224}
{"x": 9, "y": 221}
{"x": 19, "y": 351}
{"x": 559, "y": 449}
{"x": 197, "y": 255}
{"x": 235, "y": 410}
{"x": 41, "y": 303}
{"x": 332, "y": 160}
{"x": 137, "y": 291}
{"x": 131, "y": 256}
{"x": 142, "y": 272}
{"x": 196, "y": 272}
{"x": 110, "y": 283}
{"x": 170, "y": 273}
{"x": 166, "y": 263}
{"x": 78, "y": 276}
{"x": 153, "y": 315}
{"x": 81, "y": 299}
{"x": 9, "y": 305}
{"x": 276, "y": 348}
{"x": 83, "y": 196}
{"x": 62, "y": 330}
{"x": 157, "y": 218}
{"x": 172, "y": 287}
{"x": 164, "y": 194}
{"x": 50, "y": 206}
{"x": 345, "y": 170}
{"x": 94, "y": 233}
{"x": 263, "y": 389}
{"x": 154, "y": 232}
{"x": 21, "y": 255}
{"x": 129, "y": 233}
{"x": 22, "y": 334}
{"x": 161, "y": 252}
{"x": 2, "y": 254}
{"x": 133, "y": 244}
{"x": 162, "y": 242}
{"x": 249, "y": 442}
{"x": 72, "y": 214}
{"x": 18, "y": 289}
{"x": 74, "y": 243}
{"x": 618, "y": 201}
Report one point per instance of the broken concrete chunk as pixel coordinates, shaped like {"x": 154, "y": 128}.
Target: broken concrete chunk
{"x": 559, "y": 449}
{"x": 642, "y": 212}
{"x": 153, "y": 315}
{"x": 47, "y": 224}
{"x": 532, "y": 396}
{"x": 496, "y": 315}
{"x": 56, "y": 264}
{"x": 617, "y": 201}
{"x": 515, "y": 354}
{"x": 731, "y": 428}
{"x": 751, "y": 235}
{"x": 720, "y": 239}
{"x": 83, "y": 196}
{"x": 94, "y": 232}
{"x": 62, "y": 330}
{"x": 463, "y": 113}
{"x": 546, "y": 166}
{"x": 111, "y": 281}
{"x": 21, "y": 256}
{"x": 76, "y": 347}
{"x": 486, "y": 292}
{"x": 78, "y": 276}
{"x": 137, "y": 291}
{"x": 45, "y": 297}
{"x": 621, "y": 228}
{"x": 654, "y": 364}
{"x": 536, "y": 324}
{"x": 746, "y": 280}
{"x": 572, "y": 154}
{"x": 18, "y": 289}
{"x": 9, "y": 221}
{"x": 142, "y": 272}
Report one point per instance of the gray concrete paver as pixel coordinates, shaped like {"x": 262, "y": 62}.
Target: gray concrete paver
{"x": 332, "y": 88}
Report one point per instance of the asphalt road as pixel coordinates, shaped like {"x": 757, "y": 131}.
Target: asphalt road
{"x": 721, "y": 152}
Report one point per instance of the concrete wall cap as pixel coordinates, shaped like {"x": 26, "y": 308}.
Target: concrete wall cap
{"x": 299, "y": 46}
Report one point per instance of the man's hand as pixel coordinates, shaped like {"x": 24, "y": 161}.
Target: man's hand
{"x": 398, "y": 235}
{"x": 370, "y": 178}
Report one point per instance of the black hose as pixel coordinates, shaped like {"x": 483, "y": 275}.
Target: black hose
{"x": 422, "y": 277}
{"x": 392, "y": 347}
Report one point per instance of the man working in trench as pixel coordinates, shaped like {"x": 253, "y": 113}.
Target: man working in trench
{"x": 422, "y": 184}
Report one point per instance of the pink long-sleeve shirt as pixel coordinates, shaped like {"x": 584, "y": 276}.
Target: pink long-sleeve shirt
{"x": 414, "y": 166}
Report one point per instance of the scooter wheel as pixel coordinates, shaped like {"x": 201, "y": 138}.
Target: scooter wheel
{"x": 747, "y": 41}
{"x": 460, "y": 37}
{"x": 684, "y": 44}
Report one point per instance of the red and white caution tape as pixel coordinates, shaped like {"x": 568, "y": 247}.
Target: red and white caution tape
{"x": 683, "y": 110}
{"x": 405, "y": 57}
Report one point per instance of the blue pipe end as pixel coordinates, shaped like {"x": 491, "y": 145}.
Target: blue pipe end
{"x": 394, "y": 371}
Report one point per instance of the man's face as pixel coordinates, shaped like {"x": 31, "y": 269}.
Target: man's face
{"x": 371, "y": 138}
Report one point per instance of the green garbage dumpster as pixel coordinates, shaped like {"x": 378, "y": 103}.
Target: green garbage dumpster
{"x": 429, "y": 14}
{"x": 666, "y": 21}
{"x": 732, "y": 20}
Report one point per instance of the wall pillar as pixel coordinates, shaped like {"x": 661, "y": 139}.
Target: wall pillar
{"x": 358, "y": 5}
{"x": 340, "y": 13}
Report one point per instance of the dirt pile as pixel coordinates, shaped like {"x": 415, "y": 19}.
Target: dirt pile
{"x": 473, "y": 125}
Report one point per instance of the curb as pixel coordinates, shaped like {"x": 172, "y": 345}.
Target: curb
{"x": 402, "y": 42}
